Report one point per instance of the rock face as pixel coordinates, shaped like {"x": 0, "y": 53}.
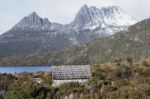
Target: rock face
{"x": 34, "y": 34}
{"x": 108, "y": 18}
{"x": 92, "y": 17}
{"x": 34, "y": 22}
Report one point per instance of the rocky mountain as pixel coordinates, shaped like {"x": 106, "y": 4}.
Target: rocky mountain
{"x": 92, "y": 17}
{"x": 92, "y": 22}
{"x": 133, "y": 42}
{"x": 106, "y": 17}
{"x": 34, "y": 34}
{"x": 33, "y": 21}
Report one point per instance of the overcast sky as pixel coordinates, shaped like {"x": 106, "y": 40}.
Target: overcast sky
{"x": 63, "y": 11}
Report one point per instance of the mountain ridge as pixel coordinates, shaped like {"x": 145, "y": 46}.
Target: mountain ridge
{"x": 40, "y": 35}
{"x": 132, "y": 43}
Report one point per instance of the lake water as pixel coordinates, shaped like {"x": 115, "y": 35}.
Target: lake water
{"x": 30, "y": 69}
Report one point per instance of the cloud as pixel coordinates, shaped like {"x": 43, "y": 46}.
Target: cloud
{"x": 7, "y": 21}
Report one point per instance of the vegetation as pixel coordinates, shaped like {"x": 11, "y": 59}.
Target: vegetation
{"x": 73, "y": 56}
{"x": 120, "y": 79}
{"x": 22, "y": 86}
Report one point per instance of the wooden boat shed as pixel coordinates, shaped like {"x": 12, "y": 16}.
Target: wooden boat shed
{"x": 72, "y": 73}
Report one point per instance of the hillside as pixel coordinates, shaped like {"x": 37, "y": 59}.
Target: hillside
{"x": 133, "y": 42}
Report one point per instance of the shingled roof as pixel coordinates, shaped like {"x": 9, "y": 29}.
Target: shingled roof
{"x": 71, "y": 72}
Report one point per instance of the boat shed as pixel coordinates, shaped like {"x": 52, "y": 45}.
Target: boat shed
{"x": 72, "y": 73}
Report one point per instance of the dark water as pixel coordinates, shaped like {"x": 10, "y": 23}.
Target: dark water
{"x": 30, "y": 69}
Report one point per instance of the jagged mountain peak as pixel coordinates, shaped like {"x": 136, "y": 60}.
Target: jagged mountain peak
{"x": 84, "y": 6}
{"x": 31, "y": 18}
{"x": 91, "y": 9}
{"x": 33, "y": 14}
{"x": 112, "y": 7}
{"x": 33, "y": 21}
{"x": 84, "y": 9}
{"x": 114, "y": 10}
{"x": 87, "y": 17}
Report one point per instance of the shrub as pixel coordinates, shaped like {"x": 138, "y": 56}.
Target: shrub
{"x": 71, "y": 87}
{"x": 145, "y": 63}
{"x": 123, "y": 72}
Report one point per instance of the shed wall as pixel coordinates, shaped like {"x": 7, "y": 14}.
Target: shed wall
{"x": 59, "y": 82}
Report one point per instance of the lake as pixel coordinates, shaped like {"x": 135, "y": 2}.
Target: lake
{"x": 27, "y": 69}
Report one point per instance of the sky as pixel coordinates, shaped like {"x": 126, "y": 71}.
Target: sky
{"x": 63, "y": 11}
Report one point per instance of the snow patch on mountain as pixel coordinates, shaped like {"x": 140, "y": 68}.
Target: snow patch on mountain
{"x": 105, "y": 17}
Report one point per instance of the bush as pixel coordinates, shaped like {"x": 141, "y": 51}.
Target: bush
{"x": 124, "y": 72}
{"x": 145, "y": 63}
{"x": 71, "y": 87}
